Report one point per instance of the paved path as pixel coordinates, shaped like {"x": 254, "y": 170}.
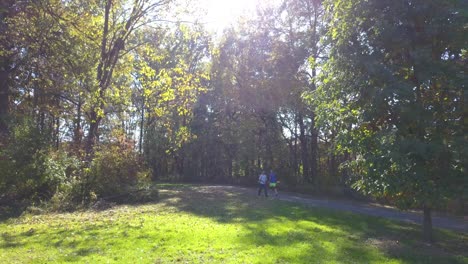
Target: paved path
{"x": 456, "y": 224}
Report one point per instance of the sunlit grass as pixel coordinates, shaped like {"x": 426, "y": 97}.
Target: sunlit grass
{"x": 194, "y": 224}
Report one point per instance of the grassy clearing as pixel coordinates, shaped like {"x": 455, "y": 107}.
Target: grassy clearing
{"x": 193, "y": 224}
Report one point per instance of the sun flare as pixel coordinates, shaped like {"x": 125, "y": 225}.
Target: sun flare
{"x": 222, "y": 13}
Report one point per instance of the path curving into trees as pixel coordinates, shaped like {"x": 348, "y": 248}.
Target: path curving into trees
{"x": 372, "y": 209}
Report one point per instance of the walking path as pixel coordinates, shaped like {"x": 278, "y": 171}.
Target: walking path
{"x": 452, "y": 223}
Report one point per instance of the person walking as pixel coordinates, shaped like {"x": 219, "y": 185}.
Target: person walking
{"x": 262, "y": 184}
{"x": 273, "y": 182}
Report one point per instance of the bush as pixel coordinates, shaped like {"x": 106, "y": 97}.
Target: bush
{"x": 32, "y": 172}
{"x": 24, "y": 171}
{"x": 143, "y": 193}
{"x": 68, "y": 195}
{"x": 115, "y": 168}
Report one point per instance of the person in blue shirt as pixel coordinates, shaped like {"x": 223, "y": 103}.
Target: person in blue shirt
{"x": 273, "y": 182}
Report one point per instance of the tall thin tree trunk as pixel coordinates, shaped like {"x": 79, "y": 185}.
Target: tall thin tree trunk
{"x": 42, "y": 121}
{"x": 291, "y": 157}
{"x": 304, "y": 151}
{"x": 93, "y": 136}
{"x": 4, "y": 103}
{"x": 314, "y": 152}
{"x": 230, "y": 169}
{"x": 296, "y": 163}
{"x": 269, "y": 154}
{"x": 103, "y": 77}
{"x": 142, "y": 122}
{"x": 78, "y": 132}
{"x": 427, "y": 225}
{"x": 57, "y": 133}
{"x": 333, "y": 166}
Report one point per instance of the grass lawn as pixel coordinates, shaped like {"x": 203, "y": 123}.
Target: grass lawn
{"x": 193, "y": 224}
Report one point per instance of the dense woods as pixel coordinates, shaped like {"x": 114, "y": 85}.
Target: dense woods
{"x": 98, "y": 98}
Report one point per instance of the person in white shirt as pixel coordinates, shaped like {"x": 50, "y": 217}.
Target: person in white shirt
{"x": 262, "y": 184}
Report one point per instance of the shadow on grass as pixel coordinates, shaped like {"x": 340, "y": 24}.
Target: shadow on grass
{"x": 8, "y": 212}
{"x": 312, "y": 234}
{"x": 10, "y": 241}
{"x": 78, "y": 243}
{"x": 396, "y": 240}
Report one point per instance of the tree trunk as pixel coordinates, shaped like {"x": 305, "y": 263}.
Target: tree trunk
{"x": 42, "y": 122}
{"x": 296, "y": 163}
{"x": 333, "y": 166}
{"x": 4, "y": 103}
{"x": 57, "y": 133}
{"x": 104, "y": 74}
{"x": 345, "y": 172}
{"x": 140, "y": 143}
{"x": 314, "y": 152}
{"x": 93, "y": 135}
{"x": 269, "y": 155}
{"x": 292, "y": 158}
{"x": 112, "y": 43}
{"x": 304, "y": 152}
{"x": 427, "y": 225}
{"x": 78, "y": 132}
{"x": 230, "y": 168}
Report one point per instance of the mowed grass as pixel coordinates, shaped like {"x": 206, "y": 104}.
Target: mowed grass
{"x": 196, "y": 224}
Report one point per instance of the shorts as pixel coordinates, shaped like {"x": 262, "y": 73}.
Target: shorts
{"x": 272, "y": 184}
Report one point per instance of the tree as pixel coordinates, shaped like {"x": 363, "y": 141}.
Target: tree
{"x": 172, "y": 75}
{"x": 9, "y": 61}
{"x": 118, "y": 25}
{"x": 394, "y": 87}
{"x": 295, "y": 28}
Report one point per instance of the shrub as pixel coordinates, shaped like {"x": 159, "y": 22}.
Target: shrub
{"x": 23, "y": 163}
{"x": 32, "y": 172}
{"x": 68, "y": 195}
{"x": 115, "y": 168}
{"x": 143, "y": 193}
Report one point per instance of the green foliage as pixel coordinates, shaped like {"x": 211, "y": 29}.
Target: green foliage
{"x": 26, "y": 169}
{"x": 115, "y": 168}
{"x": 173, "y": 76}
{"x": 392, "y": 92}
{"x": 67, "y": 194}
{"x": 33, "y": 171}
